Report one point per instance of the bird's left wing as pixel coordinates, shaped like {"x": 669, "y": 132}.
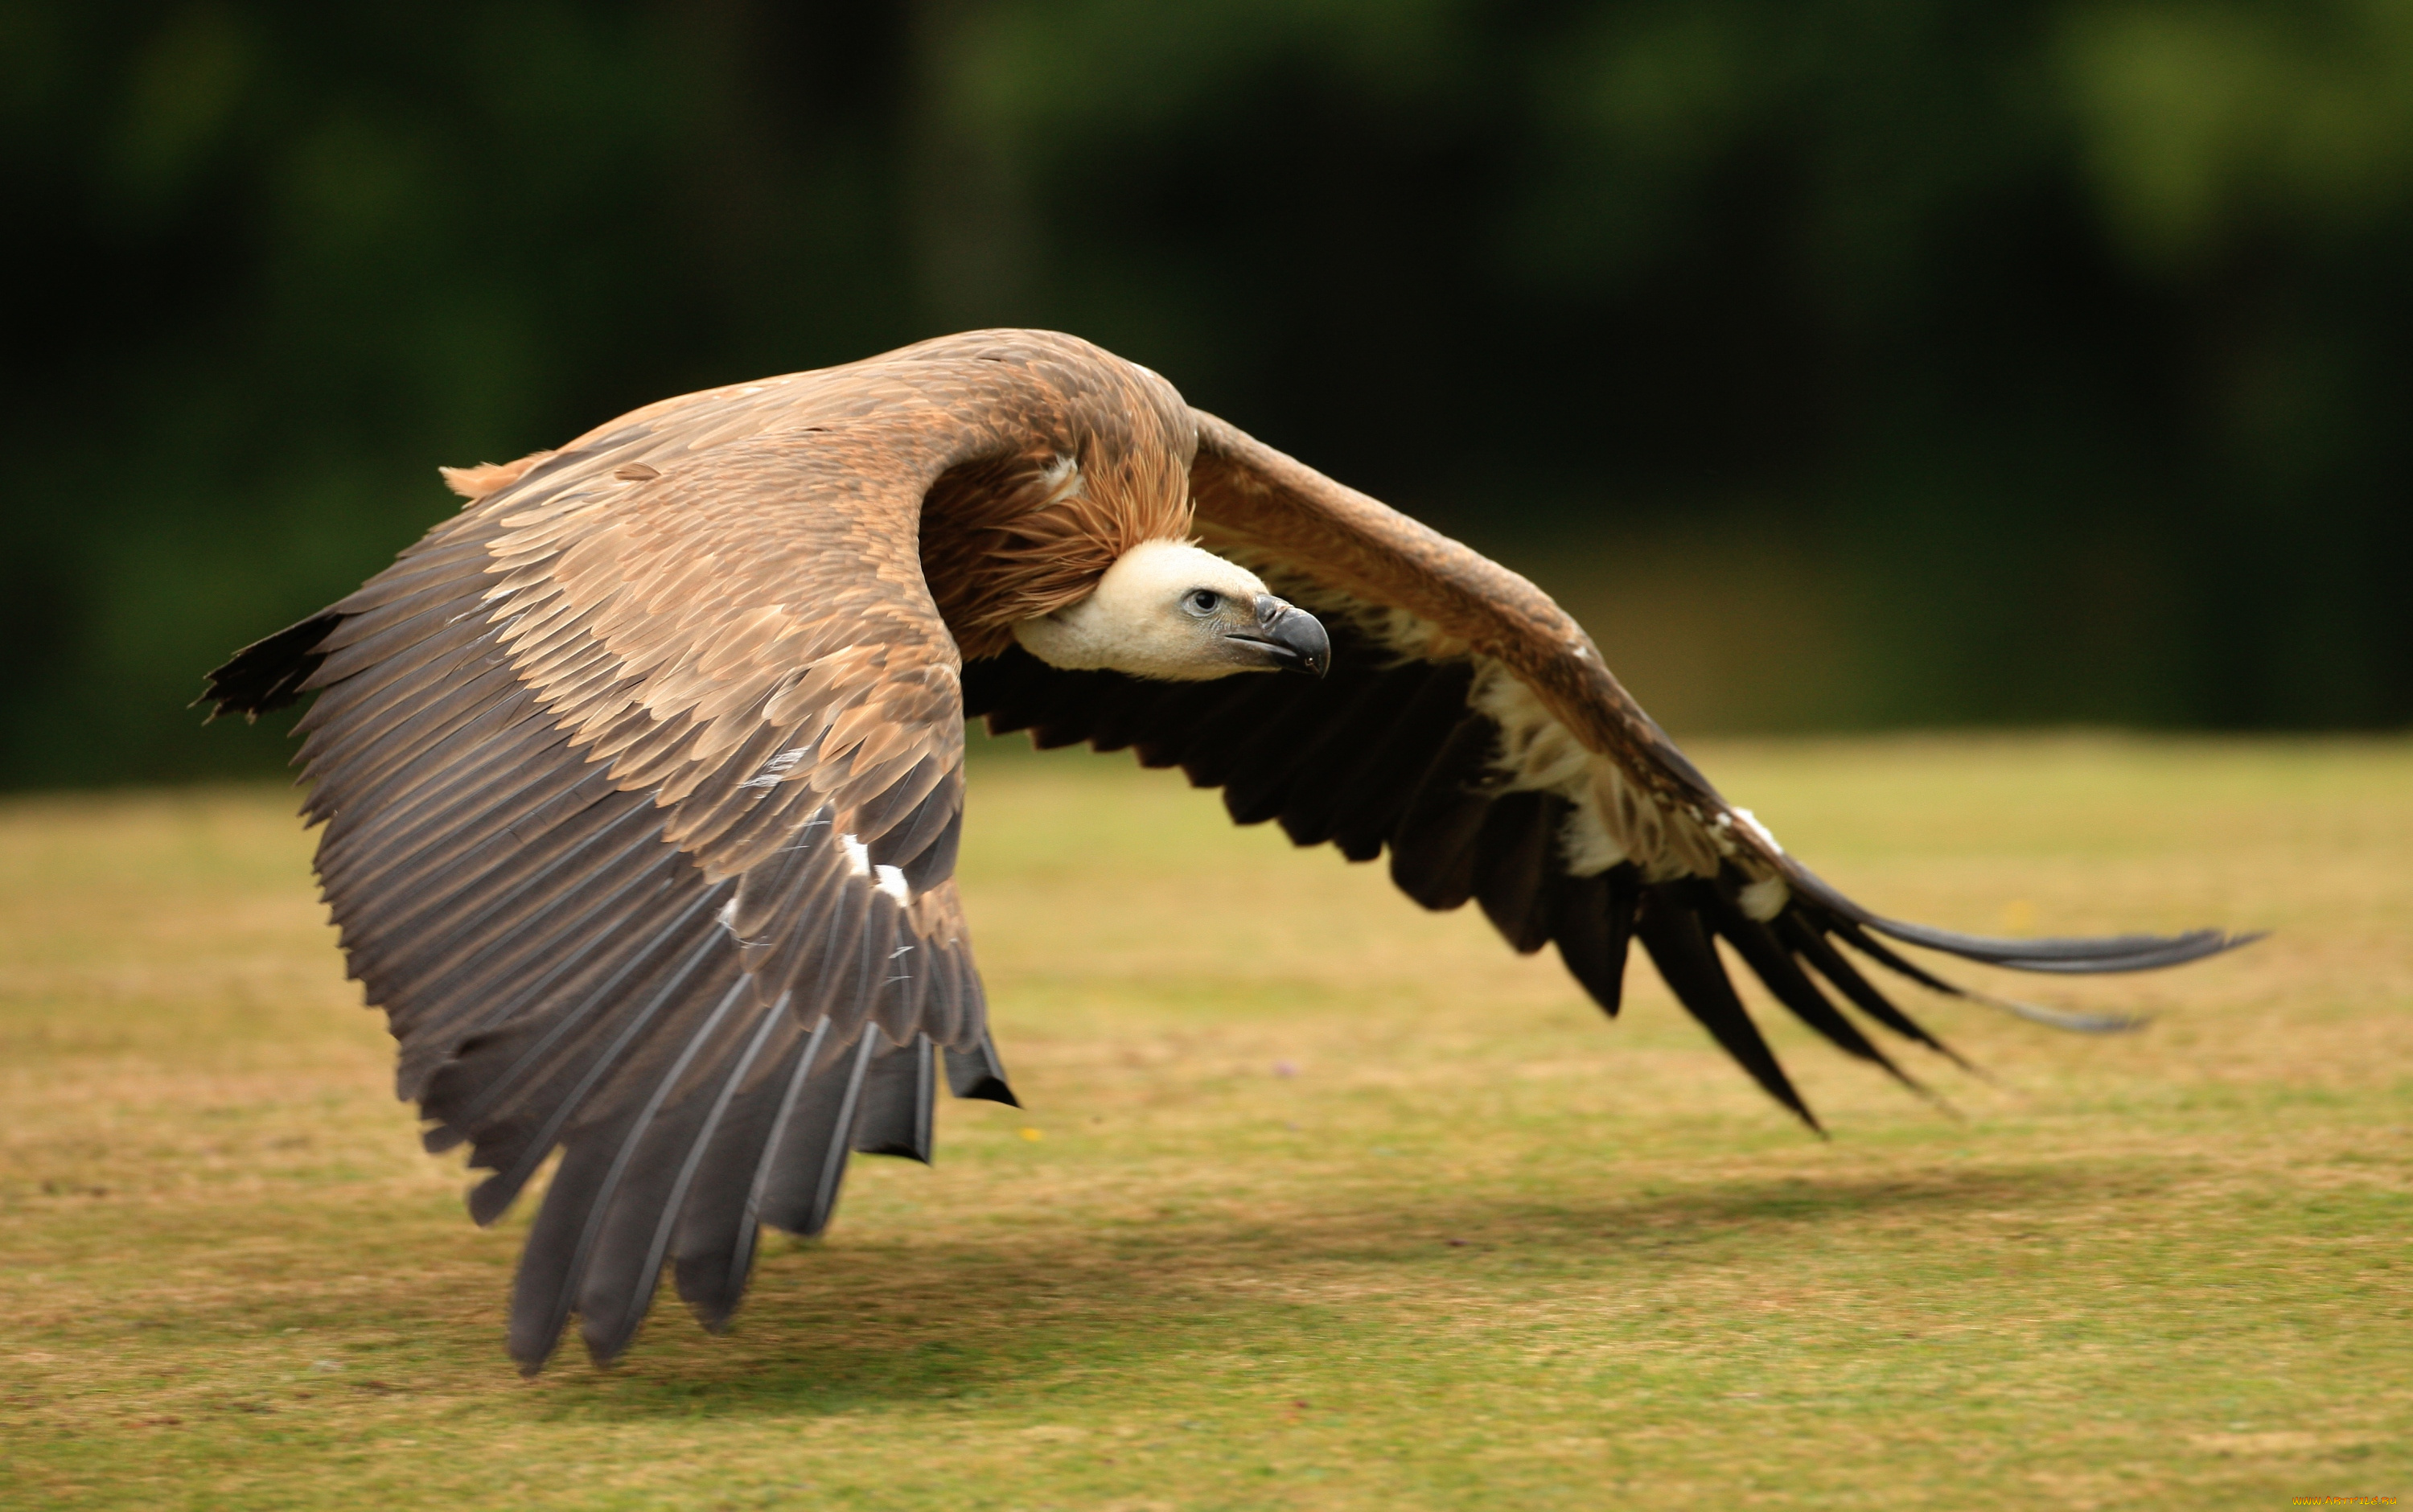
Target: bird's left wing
{"x": 642, "y": 781}
{"x": 1469, "y": 727}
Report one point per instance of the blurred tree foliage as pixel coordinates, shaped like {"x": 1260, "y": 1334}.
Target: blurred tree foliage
{"x": 2065, "y": 344}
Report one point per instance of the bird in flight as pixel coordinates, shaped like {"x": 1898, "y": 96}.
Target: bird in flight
{"x": 642, "y": 778}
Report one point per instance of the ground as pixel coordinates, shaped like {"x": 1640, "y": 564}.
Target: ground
{"x": 1317, "y": 1201}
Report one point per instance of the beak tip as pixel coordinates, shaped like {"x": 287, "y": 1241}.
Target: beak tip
{"x": 1295, "y": 639}
{"x": 1304, "y": 635}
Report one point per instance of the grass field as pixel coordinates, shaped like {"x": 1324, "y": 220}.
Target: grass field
{"x": 1317, "y": 1201}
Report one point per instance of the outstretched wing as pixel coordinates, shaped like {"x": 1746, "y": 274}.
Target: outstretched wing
{"x": 1470, "y": 728}
{"x": 640, "y": 825}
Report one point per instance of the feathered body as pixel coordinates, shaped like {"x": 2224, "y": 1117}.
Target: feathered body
{"x": 642, "y": 778}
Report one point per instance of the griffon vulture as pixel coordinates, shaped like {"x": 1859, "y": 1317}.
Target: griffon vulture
{"x": 642, "y": 776}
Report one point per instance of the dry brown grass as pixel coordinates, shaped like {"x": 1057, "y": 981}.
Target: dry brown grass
{"x": 1480, "y": 1250}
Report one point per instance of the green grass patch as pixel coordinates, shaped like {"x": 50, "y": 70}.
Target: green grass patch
{"x": 1318, "y": 1201}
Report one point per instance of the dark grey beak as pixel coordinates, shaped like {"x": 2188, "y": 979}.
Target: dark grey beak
{"x": 1290, "y": 638}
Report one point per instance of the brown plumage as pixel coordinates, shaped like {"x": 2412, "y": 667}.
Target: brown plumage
{"x": 643, "y": 776}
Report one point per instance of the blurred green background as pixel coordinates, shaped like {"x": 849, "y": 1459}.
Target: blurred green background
{"x": 1844, "y": 363}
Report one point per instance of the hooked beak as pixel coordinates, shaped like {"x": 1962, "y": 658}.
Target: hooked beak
{"x": 1290, "y": 638}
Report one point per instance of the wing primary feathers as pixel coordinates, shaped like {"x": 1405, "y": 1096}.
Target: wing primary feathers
{"x": 562, "y": 1241}
{"x": 359, "y": 643}
{"x": 460, "y": 1106}
{"x": 1783, "y": 975}
{"x": 977, "y": 1072}
{"x": 897, "y": 1102}
{"x": 465, "y": 638}
{"x": 508, "y": 770}
{"x": 438, "y": 670}
{"x": 717, "y": 1235}
{"x": 1671, "y": 931}
{"x": 447, "y": 855}
{"x": 808, "y": 1165}
{"x": 2074, "y": 956}
{"x": 1595, "y": 924}
{"x": 475, "y": 888}
{"x": 2118, "y": 952}
{"x": 2076, "y": 1023}
{"x": 267, "y": 675}
{"x": 2060, "y": 1018}
{"x": 632, "y": 1214}
{"x": 671, "y": 1208}
{"x": 390, "y": 738}
{"x": 1807, "y": 941}
{"x": 1876, "y": 950}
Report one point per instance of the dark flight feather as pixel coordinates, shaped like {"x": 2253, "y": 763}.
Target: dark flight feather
{"x": 1671, "y": 931}
{"x": 898, "y": 1101}
{"x": 1594, "y": 928}
{"x": 1432, "y": 848}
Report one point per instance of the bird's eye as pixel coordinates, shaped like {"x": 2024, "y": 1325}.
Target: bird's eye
{"x": 1202, "y": 602}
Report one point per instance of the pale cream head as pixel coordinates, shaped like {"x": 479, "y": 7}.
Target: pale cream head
{"x": 1169, "y": 610}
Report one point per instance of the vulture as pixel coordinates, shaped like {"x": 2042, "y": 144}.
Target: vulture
{"x": 641, "y": 778}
